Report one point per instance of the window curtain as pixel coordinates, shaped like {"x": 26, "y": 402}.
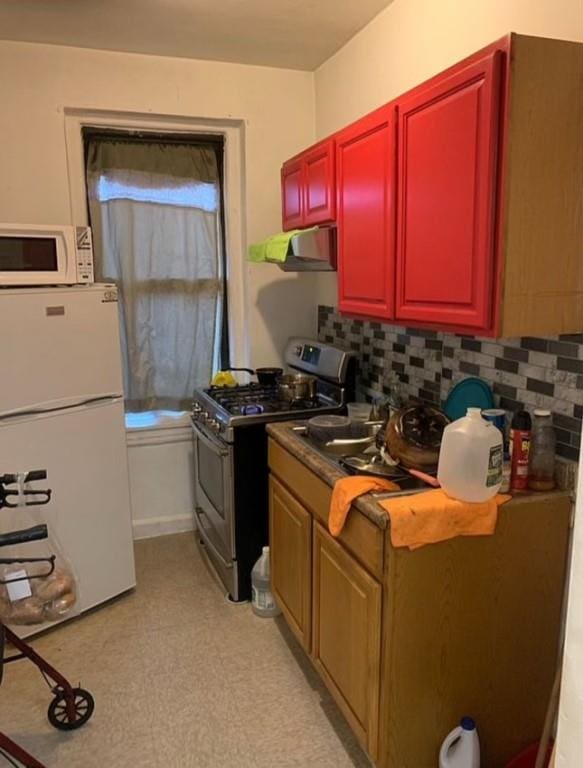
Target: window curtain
{"x": 155, "y": 214}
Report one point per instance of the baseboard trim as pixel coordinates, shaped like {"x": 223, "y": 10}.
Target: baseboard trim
{"x": 148, "y": 527}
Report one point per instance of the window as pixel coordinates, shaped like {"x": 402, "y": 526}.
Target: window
{"x": 156, "y": 209}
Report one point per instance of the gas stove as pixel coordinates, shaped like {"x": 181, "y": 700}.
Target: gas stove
{"x": 221, "y": 409}
{"x": 230, "y": 455}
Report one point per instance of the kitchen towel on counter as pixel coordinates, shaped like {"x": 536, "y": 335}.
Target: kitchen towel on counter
{"x": 345, "y": 491}
{"x": 432, "y": 516}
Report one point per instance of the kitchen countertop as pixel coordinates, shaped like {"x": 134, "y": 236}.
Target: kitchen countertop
{"x": 282, "y": 432}
{"x": 328, "y": 471}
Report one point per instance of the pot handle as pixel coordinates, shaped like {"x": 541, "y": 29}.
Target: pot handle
{"x": 429, "y": 479}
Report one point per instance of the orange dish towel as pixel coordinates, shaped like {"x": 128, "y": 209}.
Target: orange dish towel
{"x": 346, "y": 490}
{"x": 432, "y": 516}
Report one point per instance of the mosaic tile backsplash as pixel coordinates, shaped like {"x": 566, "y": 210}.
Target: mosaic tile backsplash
{"x": 525, "y": 372}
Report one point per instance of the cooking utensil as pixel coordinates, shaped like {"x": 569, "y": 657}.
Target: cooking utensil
{"x": 348, "y": 446}
{"x": 371, "y": 464}
{"x": 297, "y": 386}
{"x": 265, "y": 376}
{"x": 427, "y": 478}
{"x": 326, "y": 428}
{"x": 413, "y": 436}
{"x": 468, "y": 393}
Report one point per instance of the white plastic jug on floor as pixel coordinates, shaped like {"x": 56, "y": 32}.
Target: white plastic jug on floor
{"x": 471, "y": 458}
{"x": 262, "y": 600}
{"x": 461, "y": 747}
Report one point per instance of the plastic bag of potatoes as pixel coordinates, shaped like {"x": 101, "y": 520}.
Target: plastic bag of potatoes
{"x": 29, "y": 597}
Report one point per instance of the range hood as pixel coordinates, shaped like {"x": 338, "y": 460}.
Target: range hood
{"x": 312, "y": 250}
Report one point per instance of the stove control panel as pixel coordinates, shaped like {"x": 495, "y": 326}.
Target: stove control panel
{"x": 319, "y": 359}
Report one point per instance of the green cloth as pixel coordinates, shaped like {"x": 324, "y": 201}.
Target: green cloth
{"x": 274, "y": 249}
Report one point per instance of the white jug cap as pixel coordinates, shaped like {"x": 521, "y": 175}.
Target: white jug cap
{"x": 474, "y": 412}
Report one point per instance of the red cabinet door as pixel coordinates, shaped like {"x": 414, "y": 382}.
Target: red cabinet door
{"x": 447, "y": 149}
{"x": 319, "y": 181}
{"x": 365, "y": 168}
{"x": 291, "y": 194}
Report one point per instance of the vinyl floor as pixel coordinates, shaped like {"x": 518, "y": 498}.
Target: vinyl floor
{"x": 180, "y": 678}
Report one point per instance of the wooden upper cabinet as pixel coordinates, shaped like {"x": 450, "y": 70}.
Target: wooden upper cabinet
{"x": 291, "y": 194}
{"x": 290, "y": 528}
{"x": 447, "y": 160}
{"x": 308, "y": 187}
{"x": 365, "y": 167}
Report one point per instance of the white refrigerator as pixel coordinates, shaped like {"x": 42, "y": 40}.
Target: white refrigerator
{"x": 61, "y": 409}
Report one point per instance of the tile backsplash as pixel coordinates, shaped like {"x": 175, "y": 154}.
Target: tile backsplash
{"x": 524, "y": 372}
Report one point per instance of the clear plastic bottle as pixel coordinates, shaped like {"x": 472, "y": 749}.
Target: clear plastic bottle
{"x": 541, "y": 468}
{"x": 470, "y": 458}
{"x": 262, "y": 600}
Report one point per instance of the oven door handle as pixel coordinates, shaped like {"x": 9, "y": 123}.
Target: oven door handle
{"x": 207, "y": 541}
{"x": 212, "y": 445}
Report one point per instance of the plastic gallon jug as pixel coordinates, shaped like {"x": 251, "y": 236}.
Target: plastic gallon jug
{"x": 262, "y": 600}
{"x": 471, "y": 458}
{"x": 461, "y": 747}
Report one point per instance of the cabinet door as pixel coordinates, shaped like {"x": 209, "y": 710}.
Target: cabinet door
{"x": 347, "y": 635}
{"x": 447, "y": 148}
{"x": 365, "y": 167}
{"x": 291, "y": 559}
{"x": 291, "y": 194}
{"x": 319, "y": 181}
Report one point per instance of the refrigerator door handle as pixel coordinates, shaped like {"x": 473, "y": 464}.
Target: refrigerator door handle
{"x": 64, "y": 404}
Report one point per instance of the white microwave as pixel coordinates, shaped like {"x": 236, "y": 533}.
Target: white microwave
{"x": 32, "y": 254}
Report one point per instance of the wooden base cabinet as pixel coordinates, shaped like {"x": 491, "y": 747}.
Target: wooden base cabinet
{"x": 291, "y": 559}
{"x": 409, "y": 645}
{"x": 347, "y": 635}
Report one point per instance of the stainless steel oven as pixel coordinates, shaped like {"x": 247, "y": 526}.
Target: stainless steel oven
{"x": 230, "y": 455}
{"x": 213, "y": 476}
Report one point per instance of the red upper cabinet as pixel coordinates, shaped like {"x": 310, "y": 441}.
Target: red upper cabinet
{"x": 308, "y": 187}
{"x": 319, "y": 184}
{"x": 365, "y": 165}
{"x": 447, "y": 159}
{"x": 291, "y": 194}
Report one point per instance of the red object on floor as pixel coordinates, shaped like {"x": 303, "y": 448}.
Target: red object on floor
{"x": 527, "y": 758}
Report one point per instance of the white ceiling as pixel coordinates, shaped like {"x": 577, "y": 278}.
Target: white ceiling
{"x": 297, "y": 34}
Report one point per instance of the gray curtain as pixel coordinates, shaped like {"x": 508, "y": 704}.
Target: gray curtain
{"x": 155, "y": 213}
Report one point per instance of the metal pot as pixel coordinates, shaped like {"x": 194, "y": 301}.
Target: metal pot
{"x": 265, "y": 376}
{"x": 297, "y": 386}
{"x": 413, "y": 436}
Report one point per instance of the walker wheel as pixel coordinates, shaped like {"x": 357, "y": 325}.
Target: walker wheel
{"x": 58, "y": 715}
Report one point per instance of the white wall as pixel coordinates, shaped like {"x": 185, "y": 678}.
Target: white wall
{"x": 414, "y": 39}
{"x": 570, "y": 729}
{"x": 39, "y": 82}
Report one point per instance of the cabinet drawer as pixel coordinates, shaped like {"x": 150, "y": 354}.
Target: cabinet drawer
{"x": 362, "y": 538}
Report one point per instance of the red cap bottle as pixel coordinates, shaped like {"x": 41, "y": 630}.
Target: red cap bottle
{"x": 520, "y": 437}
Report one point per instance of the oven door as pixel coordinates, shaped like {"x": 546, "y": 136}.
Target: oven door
{"x": 213, "y": 476}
